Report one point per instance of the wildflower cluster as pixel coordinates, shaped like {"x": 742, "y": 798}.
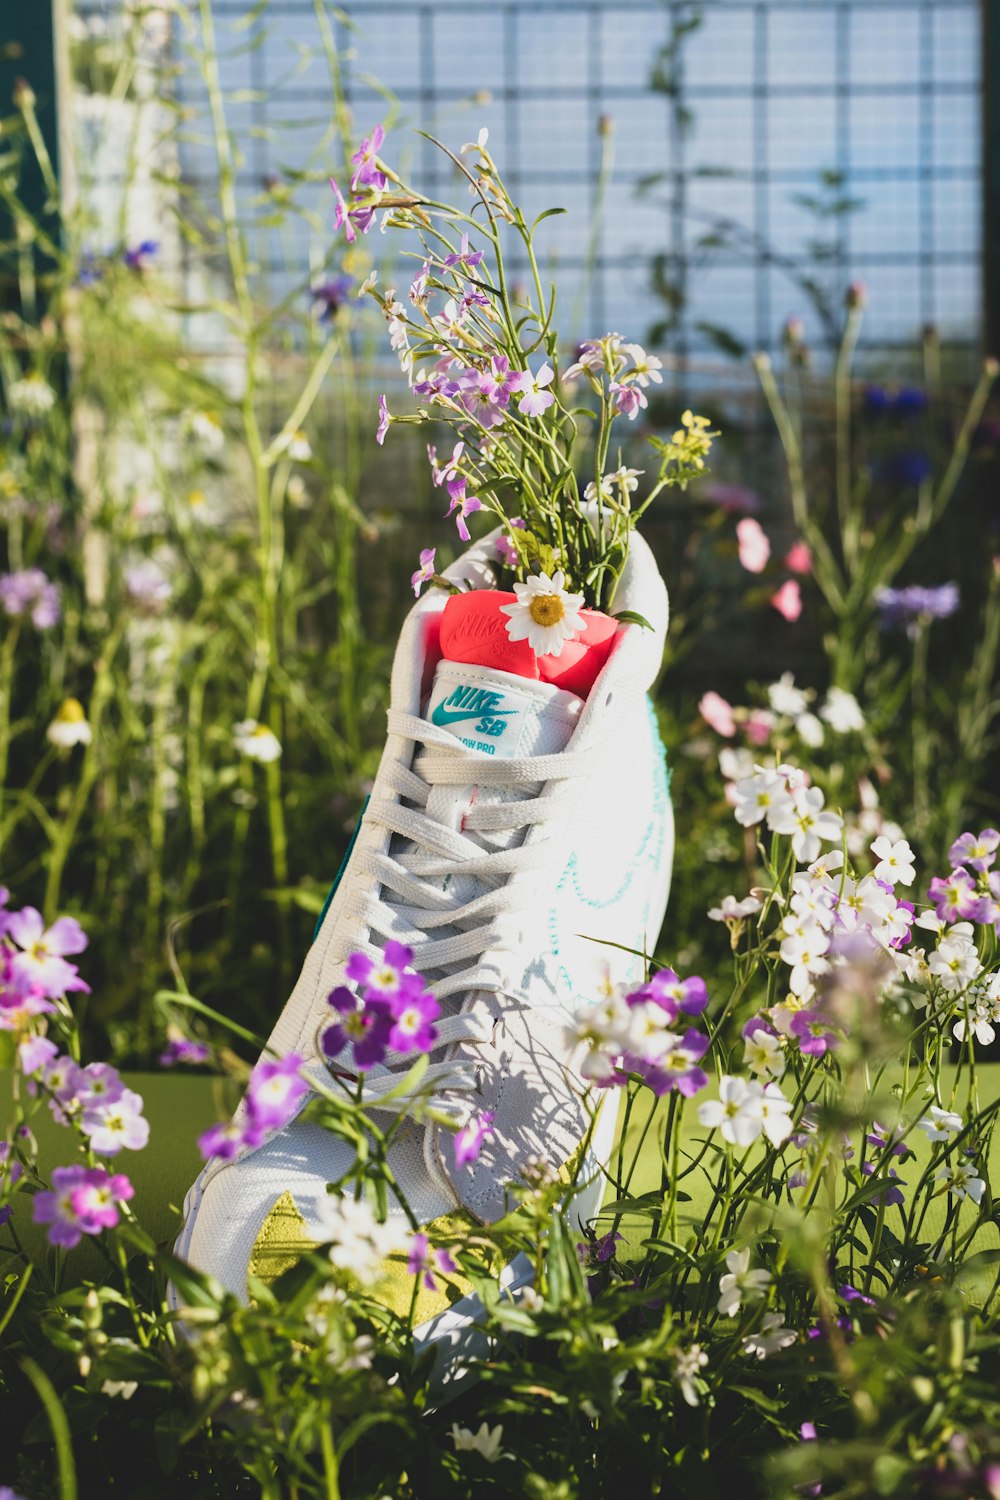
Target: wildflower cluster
{"x": 636, "y": 1031}
{"x": 392, "y": 1011}
{"x": 485, "y": 361}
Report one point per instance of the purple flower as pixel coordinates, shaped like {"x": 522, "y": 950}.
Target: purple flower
{"x": 507, "y": 552}
{"x": 464, "y": 504}
{"x": 881, "y": 1138}
{"x": 976, "y": 851}
{"x": 30, "y": 592}
{"x": 418, "y": 286}
{"x": 598, "y": 1252}
{"x": 114, "y": 1125}
{"x": 59, "y": 1079}
{"x": 364, "y": 1026}
{"x": 5, "y": 912}
{"x": 385, "y": 975}
{"x": 274, "y": 1090}
{"x": 147, "y": 586}
{"x": 891, "y": 1195}
{"x": 915, "y": 606}
{"x": 422, "y": 1261}
{"x": 140, "y": 255}
{"x": 813, "y": 1033}
{"x": 757, "y": 1023}
{"x": 471, "y": 297}
{"x": 414, "y": 1011}
{"x": 21, "y": 999}
{"x": 955, "y": 897}
{"x": 677, "y": 1069}
{"x": 442, "y": 473}
{"x": 425, "y": 570}
{"x": 35, "y": 1054}
{"x": 183, "y": 1050}
{"x": 466, "y": 258}
{"x": 383, "y": 420}
{"x": 228, "y": 1137}
{"x": 42, "y": 961}
{"x": 674, "y": 994}
{"x": 83, "y": 1200}
{"x": 346, "y": 217}
{"x": 10, "y": 1171}
{"x": 330, "y": 296}
{"x": 484, "y": 397}
{"x": 365, "y": 161}
{"x": 629, "y": 399}
{"x": 850, "y": 1293}
{"x": 469, "y": 1140}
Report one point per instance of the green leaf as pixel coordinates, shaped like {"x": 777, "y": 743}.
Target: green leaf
{"x": 631, "y": 617}
{"x": 547, "y": 214}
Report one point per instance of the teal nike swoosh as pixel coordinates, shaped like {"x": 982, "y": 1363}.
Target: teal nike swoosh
{"x": 442, "y": 716}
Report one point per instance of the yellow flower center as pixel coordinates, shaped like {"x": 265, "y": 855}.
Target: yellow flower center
{"x": 70, "y": 712}
{"x": 546, "y": 609}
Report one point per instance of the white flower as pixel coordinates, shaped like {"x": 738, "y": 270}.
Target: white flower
{"x": 688, "y": 1365}
{"x": 485, "y": 1442}
{"x": 545, "y": 615}
{"x": 358, "y": 1242}
{"x": 823, "y": 868}
{"x": 804, "y": 947}
{"x": 69, "y": 727}
{"x": 960, "y": 1178}
{"x": 785, "y": 698}
{"x": 743, "y": 1110}
{"x": 772, "y": 1337}
{"x": 207, "y": 428}
{"x": 804, "y": 818}
{"x": 529, "y": 1299}
{"x": 299, "y": 449}
{"x": 732, "y": 910}
{"x": 775, "y": 1112}
{"x": 842, "y": 712}
{"x": 983, "y": 1002}
{"x": 736, "y": 765}
{"x": 32, "y": 396}
{"x": 740, "y": 1283}
{"x": 256, "y": 741}
{"x": 763, "y": 795}
{"x": 605, "y": 1028}
{"x": 763, "y": 1054}
{"x": 627, "y": 481}
{"x": 940, "y": 1123}
{"x": 955, "y": 962}
{"x": 809, "y": 730}
{"x": 126, "y": 1389}
{"x": 479, "y": 144}
{"x": 895, "y": 861}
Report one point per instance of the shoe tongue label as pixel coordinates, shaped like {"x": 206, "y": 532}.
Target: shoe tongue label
{"x": 484, "y": 714}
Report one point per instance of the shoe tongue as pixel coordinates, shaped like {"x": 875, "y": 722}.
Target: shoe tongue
{"x": 499, "y": 713}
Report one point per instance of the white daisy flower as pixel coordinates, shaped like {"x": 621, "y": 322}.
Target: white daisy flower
{"x": 256, "y": 741}
{"x": 69, "y": 727}
{"x": 545, "y": 615}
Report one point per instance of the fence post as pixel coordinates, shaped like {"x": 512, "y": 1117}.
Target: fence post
{"x": 991, "y": 173}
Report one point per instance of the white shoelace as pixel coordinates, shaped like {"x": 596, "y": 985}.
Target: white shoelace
{"x": 417, "y": 881}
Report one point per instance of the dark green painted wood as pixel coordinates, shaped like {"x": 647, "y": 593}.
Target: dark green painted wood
{"x": 27, "y": 51}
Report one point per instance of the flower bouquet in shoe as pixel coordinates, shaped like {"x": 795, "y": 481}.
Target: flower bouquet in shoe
{"x": 531, "y": 441}
{"x": 506, "y": 868}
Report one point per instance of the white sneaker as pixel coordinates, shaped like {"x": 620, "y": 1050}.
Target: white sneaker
{"x": 500, "y": 870}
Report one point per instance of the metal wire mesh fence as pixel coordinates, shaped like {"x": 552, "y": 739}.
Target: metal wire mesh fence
{"x": 766, "y": 152}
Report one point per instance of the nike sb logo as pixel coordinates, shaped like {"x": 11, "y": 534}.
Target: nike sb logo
{"x": 473, "y": 703}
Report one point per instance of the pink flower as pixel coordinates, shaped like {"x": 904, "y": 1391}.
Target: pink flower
{"x": 759, "y": 725}
{"x": 383, "y": 420}
{"x": 469, "y": 1140}
{"x": 788, "y": 600}
{"x": 425, "y": 571}
{"x": 754, "y": 547}
{"x": 535, "y": 399}
{"x": 799, "y": 559}
{"x": 629, "y": 399}
{"x": 365, "y": 161}
{"x": 718, "y": 714}
{"x": 463, "y": 503}
{"x": 342, "y": 215}
{"x": 422, "y": 1261}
